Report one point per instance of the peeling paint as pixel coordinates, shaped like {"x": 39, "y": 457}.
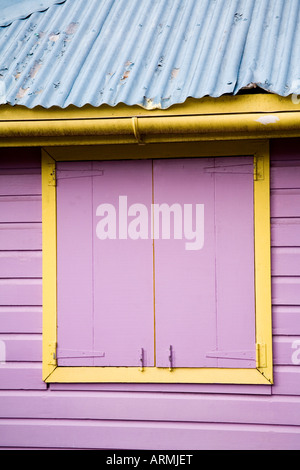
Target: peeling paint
{"x": 34, "y": 70}
{"x": 130, "y": 55}
{"x": 54, "y": 37}
{"x": 22, "y": 92}
{"x": 267, "y": 119}
{"x": 71, "y": 29}
{"x": 125, "y": 75}
{"x": 2, "y": 92}
{"x": 174, "y": 73}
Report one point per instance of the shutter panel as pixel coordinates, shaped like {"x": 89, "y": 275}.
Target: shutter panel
{"x": 123, "y": 267}
{"x": 185, "y": 316}
{"x": 74, "y": 264}
{"x": 235, "y": 293}
{"x": 105, "y": 285}
{"x": 204, "y": 302}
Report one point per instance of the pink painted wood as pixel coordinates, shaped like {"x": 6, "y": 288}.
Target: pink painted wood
{"x": 136, "y": 416}
{"x": 74, "y": 265}
{"x": 123, "y": 268}
{"x": 105, "y": 295}
{"x": 21, "y": 236}
{"x": 204, "y": 299}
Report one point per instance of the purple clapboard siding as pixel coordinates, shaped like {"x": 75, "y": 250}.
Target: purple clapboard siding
{"x": 21, "y": 291}
{"x": 27, "y": 182}
{"x": 138, "y": 406}
{"x": 286, "y": 320}
{"x": 166, "y": 416}
{"x": 286, "y": 290}
{"x": 21, "y": 376}
{"x": 285, "y": 176}
{"x": 16, "y": 264}
{"x": 20, "y": 319}
{"x": 20, "y": 209}
{"x": 286, "y": 261}
{"x": 21, "y": 236}
{"x": 21, "y": 347}
{"x": 285, "y": 203}
{"x": 285, "y": 232}
{"x": 145, "y": 435}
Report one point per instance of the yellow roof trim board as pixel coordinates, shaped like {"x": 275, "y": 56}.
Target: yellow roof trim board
{"x": 227, "y": 118}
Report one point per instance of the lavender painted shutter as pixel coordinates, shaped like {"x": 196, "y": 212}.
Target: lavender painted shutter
{"x": 204, "y": 299}
{"x": 123, "y": 270}
{"x": 74, "y": 264}
{"x": 105, "y": 286}
{"x": 235, "y": 291}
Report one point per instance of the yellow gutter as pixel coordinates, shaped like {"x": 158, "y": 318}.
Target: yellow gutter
{"x": 196, "y": 121}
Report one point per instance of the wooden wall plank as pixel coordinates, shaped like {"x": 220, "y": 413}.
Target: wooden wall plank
{"x": 286, "y": 176}
{"x": 21, "y": 182}
{"x": 286, "y": 350}
{"x": 146, "y": 435}
{"x": 285, "y": 203}
{"x": 20, "y": 292}
{"x": 21, "y": 236}
{"x": 285, "y": 261}
{"x": 139, "y": 406}
{"x": 286, "y": 320}
{"x": 286, "y": 380}
{"x": 22, "y": 347}
{"x": 20, "y": 264}
{"x": 21, "y": 376}
{"x": 285, "y": 232}
{"x": 286, "y": 290}
{"x": 20, "y": 209}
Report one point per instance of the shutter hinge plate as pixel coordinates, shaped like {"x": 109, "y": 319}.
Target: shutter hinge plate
{"x": 52, "y": 175}
{"x": 52, "y": 360}
{"x": 261, "y": 355}
{"x": 258, "y": 168}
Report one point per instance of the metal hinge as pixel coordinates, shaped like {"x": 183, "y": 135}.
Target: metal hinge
{"x": 239, "y": 355}
{"x": 258, "y": 168}
{"x": 261, "y": 355}
{"x": 52, "y": 359}
{"x": 78, "y": 354}
{"x": 52, "y": 175}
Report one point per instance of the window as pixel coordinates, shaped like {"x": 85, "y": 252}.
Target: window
{"x": 161, "y": 271}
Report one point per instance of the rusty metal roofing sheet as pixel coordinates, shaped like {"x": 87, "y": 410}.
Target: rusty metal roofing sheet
{"x": 153, "y": 53}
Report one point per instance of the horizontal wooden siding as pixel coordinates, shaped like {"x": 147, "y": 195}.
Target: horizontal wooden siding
{"x": 114, "y": 416}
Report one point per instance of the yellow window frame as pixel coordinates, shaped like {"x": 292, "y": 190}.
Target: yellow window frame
{"x": 263, "y": 373}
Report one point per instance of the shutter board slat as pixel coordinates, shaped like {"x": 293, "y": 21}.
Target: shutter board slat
{"x": 235, "y": 293}
{"x": 187, "y": 315}
{"x": 123, "y": 269}
{"x": 74, "y": 264}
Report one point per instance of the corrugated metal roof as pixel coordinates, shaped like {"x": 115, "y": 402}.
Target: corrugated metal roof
{"x": 11, "y": 10}
{"x": 153, "y": 53}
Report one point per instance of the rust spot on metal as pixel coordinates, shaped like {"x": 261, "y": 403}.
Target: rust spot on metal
{"x": 34, "y": 70}
{"x": 125, "y": 75}
{"x": 71, "y": 29}
{"x": 54, "y": 37}
{"x": 174, "y": 73}
{"x": 22, "y": 92}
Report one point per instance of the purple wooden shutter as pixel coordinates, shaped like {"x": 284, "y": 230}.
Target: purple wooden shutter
{"x": 204, "y": 298}
{"x": 200, "y": 264}
{"x": 105, "y": 285}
